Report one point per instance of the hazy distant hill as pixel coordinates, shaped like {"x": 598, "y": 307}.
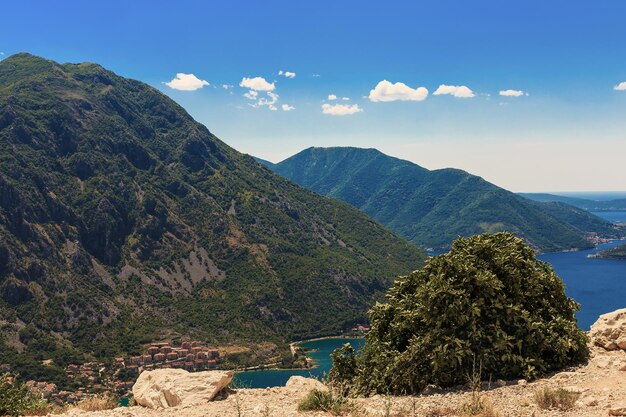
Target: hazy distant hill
{"x": 431, "y": 208}
{"x": 591, "y": 205}
{"x": 123, "y": 219}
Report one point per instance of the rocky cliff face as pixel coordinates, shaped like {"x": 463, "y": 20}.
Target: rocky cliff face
{"x": 123, "y": 219}
{"x": 609, "y": 332}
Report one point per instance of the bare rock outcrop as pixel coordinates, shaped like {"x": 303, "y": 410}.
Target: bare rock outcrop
{"x": 301, "y": 385}
{"x": 164, "y": 388}
{"x": 609, "y": 331}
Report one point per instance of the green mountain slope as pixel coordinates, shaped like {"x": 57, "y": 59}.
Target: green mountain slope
{"x": 432, "y": 208}
{"x": 264, "y": 162}
{"x": 123, "y": 219}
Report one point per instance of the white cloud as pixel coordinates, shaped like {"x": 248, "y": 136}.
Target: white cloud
{"x": 316, "y": 75}
{"x": 621, "y": 86}
{"x": 251, "y": 95}
{"x": 340, "y": 109}
{"x": 186, "y": 82}
{"x": 287, "y": 107}
{"x": 513, "y": 93}
{"x": 269, "y": 101}
{"x": 332, "y": 97}
{"x": 227, "y": 86}
{"x": 345, "y": 98}
{"x": 386, "y": 91}
{"x": 459, "y": 91}
{"x": 287, "y": 74}
{"x": 257, "y": 83}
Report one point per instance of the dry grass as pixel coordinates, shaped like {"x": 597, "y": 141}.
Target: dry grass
{"x": 556, "y": 399}
{"x": 42, "y": 409}
{"x": 440, "y": 412}
{"x": 98, "y": 402}
{"x": 479, "y": 406}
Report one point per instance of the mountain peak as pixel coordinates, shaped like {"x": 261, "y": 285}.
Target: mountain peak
{"x": 432, "y": 208}
{"x": 118, "y": 211}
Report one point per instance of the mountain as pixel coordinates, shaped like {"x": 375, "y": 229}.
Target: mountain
{"x": 432, "y": 208}
{"x": 122, "y": 219}
{"x": 618, "y": 204}
{"x": 264, "y": 162}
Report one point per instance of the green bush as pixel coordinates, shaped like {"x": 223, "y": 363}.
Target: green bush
{"x": 488, "y": 301}
{"x": 344, "y": 366}
{"x": 15, "y": 399}
{"x": 321, "y": 400}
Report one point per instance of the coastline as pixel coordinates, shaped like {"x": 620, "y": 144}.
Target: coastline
{"x": 316, "y": 339}
{"x": 596, "y": 247}
{"x": 293, "y": 346}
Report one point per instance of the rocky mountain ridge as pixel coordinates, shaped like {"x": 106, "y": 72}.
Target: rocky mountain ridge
{"x": 123, "y": 220}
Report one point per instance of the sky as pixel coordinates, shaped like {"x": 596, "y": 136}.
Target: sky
{"x": 526, "y": 94}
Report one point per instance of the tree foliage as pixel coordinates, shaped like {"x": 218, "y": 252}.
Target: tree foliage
{"x": 488, "y": 301}
{"x": 344, "y": 365}
{"x": 16, "y": 399}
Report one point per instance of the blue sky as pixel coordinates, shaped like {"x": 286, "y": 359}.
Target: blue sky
{"x": 565, "y": 131}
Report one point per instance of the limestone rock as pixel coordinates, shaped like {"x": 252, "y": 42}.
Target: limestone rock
{"x": 609, "y": 331}
{"x": 164, "y": 388}
{"x": 620, "y": 411}
{"x": 300, "y": 384}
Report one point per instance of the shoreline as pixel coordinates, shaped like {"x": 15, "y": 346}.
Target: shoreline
{"x": 317, "y": 339}
{"x": 292, "y": 345}
{"x": 597, "y": 245}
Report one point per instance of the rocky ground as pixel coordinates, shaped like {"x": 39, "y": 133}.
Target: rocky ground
{"x": 601, "y": 384}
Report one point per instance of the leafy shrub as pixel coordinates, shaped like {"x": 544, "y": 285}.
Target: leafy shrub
{"x": 16, "y": 399}
{"x": 344, "y": 366}
{"x": 322, "y": 400}
{"x": 488, "y": 301}
{"x": 556, "y": 399}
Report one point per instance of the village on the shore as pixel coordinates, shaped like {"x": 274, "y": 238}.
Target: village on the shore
{"x": 94, "y": 377}
{"x": 119, "y": 376}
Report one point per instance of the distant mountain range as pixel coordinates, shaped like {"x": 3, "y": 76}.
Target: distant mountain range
{"x": 618, "y": 204}
{"x": 432, "y": 208}
{"x": 122, "y": 220}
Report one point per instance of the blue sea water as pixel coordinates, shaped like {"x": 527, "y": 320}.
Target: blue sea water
{"x": 598, "y": 285}
{"x": 276, "y": 378}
